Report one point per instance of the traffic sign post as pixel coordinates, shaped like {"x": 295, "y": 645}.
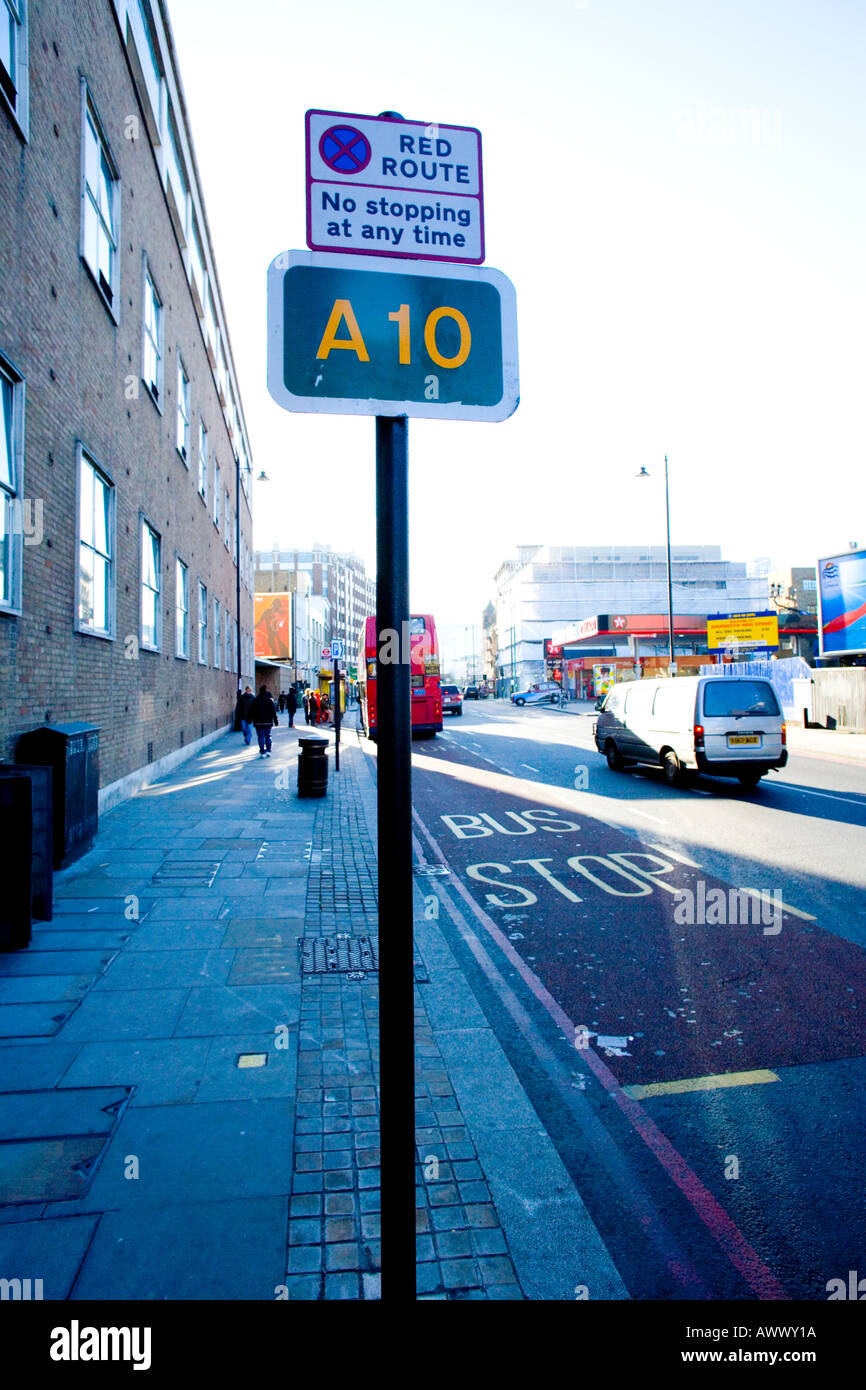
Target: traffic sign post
{"x": 393, "y": 340}
{"x": 336, "y": 708}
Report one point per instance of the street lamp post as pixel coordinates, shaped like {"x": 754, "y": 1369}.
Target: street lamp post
{"x": 644, "y": 473}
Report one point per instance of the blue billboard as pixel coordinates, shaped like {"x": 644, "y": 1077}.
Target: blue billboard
{"x": 842, "y": 600}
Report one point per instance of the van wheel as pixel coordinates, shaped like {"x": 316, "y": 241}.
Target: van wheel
{"x": 749, "y": 778}
{"x": 520, "y": 702}
{"x": 614, "y": 758}
{"x": 671, "y": 768}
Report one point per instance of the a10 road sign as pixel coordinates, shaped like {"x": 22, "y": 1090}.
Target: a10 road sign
{"x": 386, "y": 339}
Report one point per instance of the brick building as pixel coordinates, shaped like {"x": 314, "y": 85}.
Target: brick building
{"x": 126, "y": 554}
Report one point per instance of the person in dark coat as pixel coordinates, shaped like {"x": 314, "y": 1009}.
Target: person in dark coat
{"x": 291, "y": 706}
{"x": 244, "y": 702}
{"x": 314, "y": 706}
{"x": 307, "y": 704}
{"x": 263, "y": 713}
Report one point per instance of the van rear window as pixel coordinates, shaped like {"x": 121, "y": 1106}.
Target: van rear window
{"x": 728, "y": 697}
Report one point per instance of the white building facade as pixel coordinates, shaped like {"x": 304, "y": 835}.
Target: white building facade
{"x": 544, "y": 588}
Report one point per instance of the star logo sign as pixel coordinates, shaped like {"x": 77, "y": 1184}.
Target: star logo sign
{"x": 619, "y": 622}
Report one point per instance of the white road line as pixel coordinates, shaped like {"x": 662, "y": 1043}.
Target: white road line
{"x": 828, "y": 796}
{"x": 786, "y": 907}
{"x": 531, "y": 768}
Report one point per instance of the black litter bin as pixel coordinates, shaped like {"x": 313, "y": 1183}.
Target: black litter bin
{"x": 72, "y": 753}
{"x": 15, "y": 828}
{"x": 312, "y": 767}
{"x": 41, "y": 854}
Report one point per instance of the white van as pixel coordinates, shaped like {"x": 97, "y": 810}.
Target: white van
{"x": 730, "y": 726}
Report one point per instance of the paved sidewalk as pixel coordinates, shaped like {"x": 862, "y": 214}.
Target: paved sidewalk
{"x": 189, "y": 1057}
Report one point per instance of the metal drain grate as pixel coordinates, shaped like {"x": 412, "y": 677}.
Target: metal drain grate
{"x": 338, "y": 955}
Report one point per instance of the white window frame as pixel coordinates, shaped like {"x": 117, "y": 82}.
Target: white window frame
{"x": 11, "y": 495}
{"x": 151, "y": 295}
{"x": 181, "y": 609}
{"x": 217, "y": 484}
{"x": 227, "y": 516}
{"x": 217, "y": 635}
{"x": 201, "y": 654}
{"x": 203, "y": 463}
{"x": 15, "y": 86}
{"x": 146, "y": 527}
{"x": 85, "y": 459}
{"x": 227, "y": 664}
{"x": 90, "y": 117}
{"x": 184, "y": 413}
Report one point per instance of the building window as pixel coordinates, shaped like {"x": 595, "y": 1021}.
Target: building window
{"x": 181, "y": 610}
{"x": 228, "y": 657}
{"x": 95, "y": 549}
{"x": 183, "y": 416}
{"x": 216, "y": 494}
{"x": 150, "y": 586}
{"x": 146, "y": 46}
{"x": 101, "y": 206}
{"x": 153, "y": 324}
{"x": 202, "y": 624}
{"x": 202, "y": 460}
{"x": 11, "y": 475}
{"x": 227, "y": 516}
{"x": 217, "y": 645}
{"x": 13, "y": 59}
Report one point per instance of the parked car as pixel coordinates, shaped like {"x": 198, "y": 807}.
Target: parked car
{"x": 452, "y": 699}
{"x": 544, "y": 693}
{"x": 472, "y": 692}
{"x": 729, "y": 726}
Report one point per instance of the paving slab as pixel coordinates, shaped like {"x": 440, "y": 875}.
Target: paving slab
{"x": 224, "y": 1079}
{"x": 239, "y": 1008}
{"x": 51, "y": 1251}
{"x": 130, "y": 1013}
{"x": 193, "y": 1153}
{"x": 162, "y": 1071}
{"x": 166, "y": 969}
{"x": 230, "y": 1250}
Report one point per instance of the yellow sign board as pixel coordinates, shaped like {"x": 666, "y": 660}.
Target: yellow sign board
{"x": 742, "y": 630}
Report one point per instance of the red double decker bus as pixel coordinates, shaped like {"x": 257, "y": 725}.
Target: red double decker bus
{"x": 420, "y": 636}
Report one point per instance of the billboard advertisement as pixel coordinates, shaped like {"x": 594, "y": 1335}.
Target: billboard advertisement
{"x": 273, "y": 626}
{"x": 842, "y": 603}
{"x": 751, "y": 630}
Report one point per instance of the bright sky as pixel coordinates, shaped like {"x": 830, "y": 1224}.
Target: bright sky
{"x": 675, "y": 189}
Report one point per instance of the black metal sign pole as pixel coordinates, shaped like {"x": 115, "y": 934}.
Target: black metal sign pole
{"x": 394, "y": 781}
{"x": 336, "y": 715}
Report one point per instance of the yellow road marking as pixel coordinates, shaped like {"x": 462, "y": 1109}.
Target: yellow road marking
{"x": 701, "y": 1083}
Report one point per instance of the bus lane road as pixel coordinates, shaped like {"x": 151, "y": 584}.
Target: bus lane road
{"x": 681, "y": 983}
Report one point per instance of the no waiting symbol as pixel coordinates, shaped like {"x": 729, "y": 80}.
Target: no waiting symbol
{"x": 345, "y": 150}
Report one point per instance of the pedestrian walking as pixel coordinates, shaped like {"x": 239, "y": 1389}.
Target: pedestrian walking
{"x": 291, "y": 706}
{"x": 314, "y": 706}
{"x": 325, "y": 709}
{"x": 263, "y": 713}
{"x": 245, "y": 700}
